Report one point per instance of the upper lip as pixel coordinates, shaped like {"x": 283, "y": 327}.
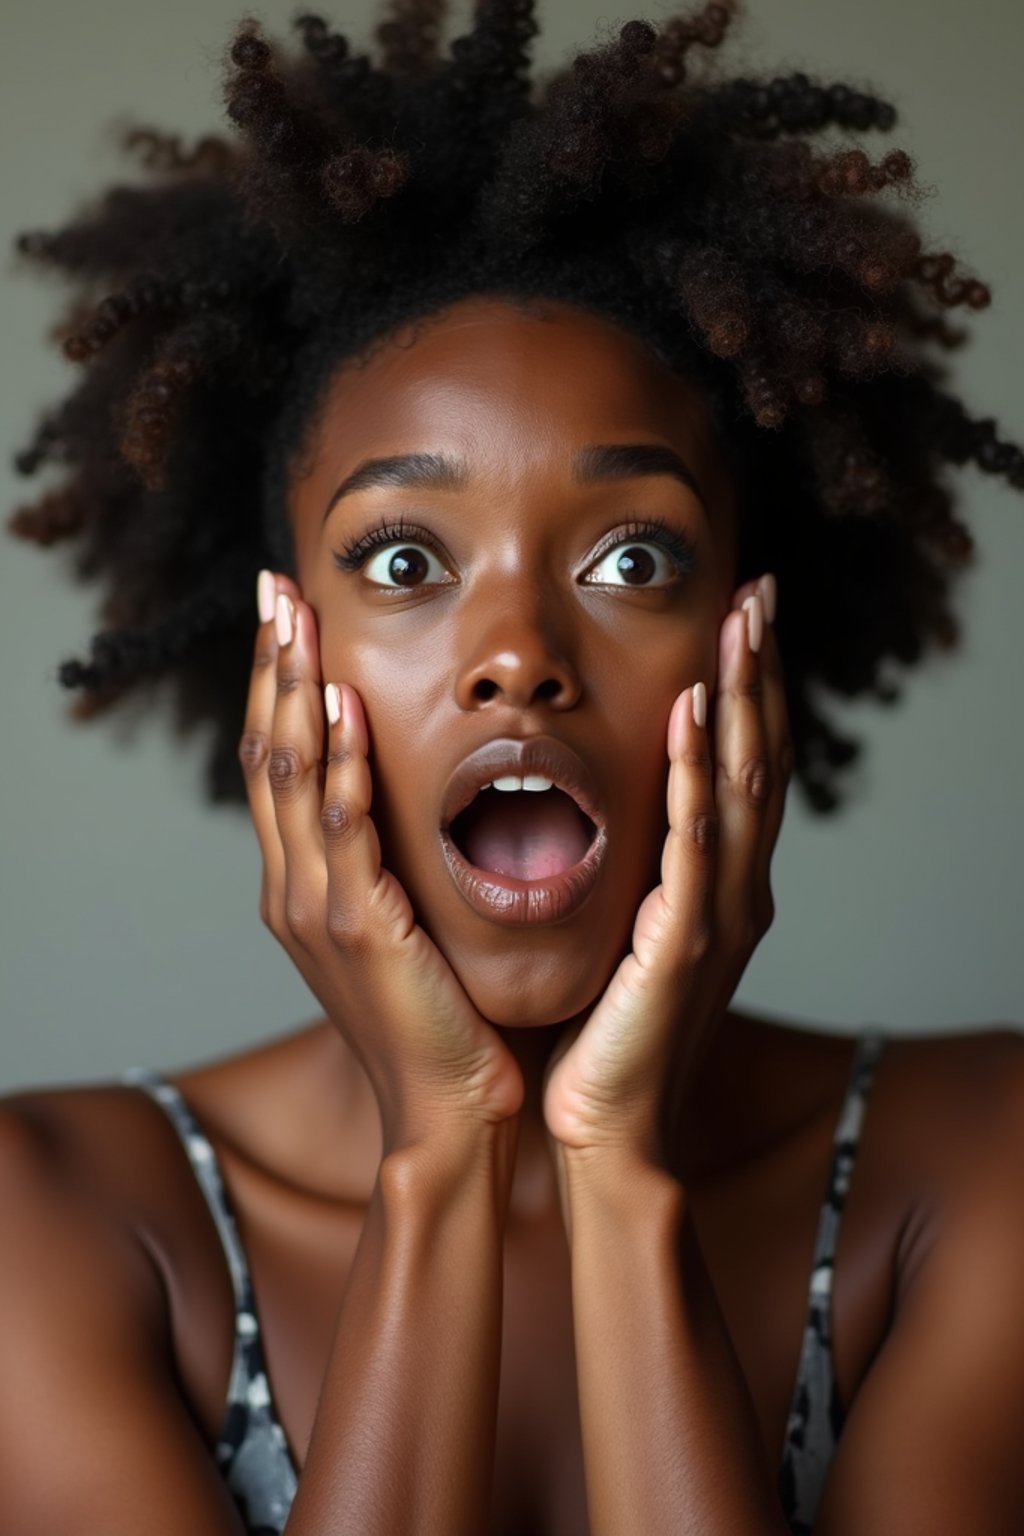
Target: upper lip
{"x": 543, "y": 755}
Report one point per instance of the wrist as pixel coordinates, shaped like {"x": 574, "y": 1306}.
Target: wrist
{"x": 435, "y": 1162}
{"x": 620, "y": 1187}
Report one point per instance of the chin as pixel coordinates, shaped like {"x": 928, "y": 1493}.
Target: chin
{"x": 530, "y": 990}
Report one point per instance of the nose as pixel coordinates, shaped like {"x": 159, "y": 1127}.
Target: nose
{"x": 516, "y": 657}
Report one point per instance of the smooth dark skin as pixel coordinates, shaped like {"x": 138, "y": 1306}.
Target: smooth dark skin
{"x": 111, "y": 1264}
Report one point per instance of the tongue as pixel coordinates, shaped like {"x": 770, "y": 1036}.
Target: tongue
{"x": 528, "y": 836}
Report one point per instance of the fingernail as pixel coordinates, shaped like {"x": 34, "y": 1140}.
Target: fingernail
{"x": 769, "y": 590}
{"x": 700, "y": 704}
{"x": 265, "y": 595}
{"x": 284, "y": 619}
{"x": 755, "y": 620}
{"x": 332, "y": 699}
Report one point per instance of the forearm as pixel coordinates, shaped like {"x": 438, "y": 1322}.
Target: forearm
{"x": 670, "y": 1440}
{"x": 404, "y": 1434}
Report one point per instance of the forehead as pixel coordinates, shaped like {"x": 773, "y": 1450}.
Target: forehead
{"x": 512, "y": 389}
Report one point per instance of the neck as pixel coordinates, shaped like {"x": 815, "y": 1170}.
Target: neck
{"x": 534, "y": 1185}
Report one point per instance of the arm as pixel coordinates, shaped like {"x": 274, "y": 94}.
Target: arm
{"x": 404, "y": 1434}
{"x": 405, "y": 1429}
{"x": 669, "y": 1437}
{"x": 670, "y": 1441}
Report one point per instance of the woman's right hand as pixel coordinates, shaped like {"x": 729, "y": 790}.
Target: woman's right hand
{"x": 437, "y": 1067}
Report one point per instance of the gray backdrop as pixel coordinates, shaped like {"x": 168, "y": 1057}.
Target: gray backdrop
{"x": 129, "y": 910}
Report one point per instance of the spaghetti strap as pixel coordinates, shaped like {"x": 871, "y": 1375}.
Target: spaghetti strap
{"x": 816, "y": 1414}
{"x": 252, "y": 1450}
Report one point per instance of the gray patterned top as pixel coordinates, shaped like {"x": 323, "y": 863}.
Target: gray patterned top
{"x": 252, "y": 1450}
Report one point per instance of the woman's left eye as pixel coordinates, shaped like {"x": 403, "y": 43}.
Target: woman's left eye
{"x": 633, "y": 564}
{"x": 405, "y": 565}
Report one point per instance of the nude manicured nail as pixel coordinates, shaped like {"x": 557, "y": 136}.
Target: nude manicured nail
{"x": 332, "y": 699}
{"x": 754, "y": 609}
{"x": 699, "y": 699}
{"x": 284, "y": 619}
{"x": 265, "y": 594}
{"x": 768, "y": 588}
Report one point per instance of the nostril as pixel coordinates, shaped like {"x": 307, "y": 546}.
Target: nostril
{"x": 549, "y": 689}
{"x": 484, "y": 690}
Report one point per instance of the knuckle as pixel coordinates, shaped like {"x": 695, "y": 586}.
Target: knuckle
{"x": 700, "y": 832}
{"x": 289, "y": 679}
{"x": 754, "y": 780}
{"x": 285, "y": 770}
{"x": 298, "y": 914}
{"x": 696, "y": 757}
{"x": 336, "y": 820}
{"x": 339, "y": 757}
{"x": 347, "y": 933}
{"x": 337, "y": 924}
{"x": 252, "y": 752}
{"x": 764, "y": 915}
{"x": 749, "y": 688}
{"x": 748, "y": 933}
{"x": 264, "y": 658}
{"x": 273, "y": 917}
{"x": 755, "y": 923}
{"x": 699, "y": 941}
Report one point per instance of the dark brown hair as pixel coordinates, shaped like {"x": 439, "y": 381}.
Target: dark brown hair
{"x": 736, "y": 223}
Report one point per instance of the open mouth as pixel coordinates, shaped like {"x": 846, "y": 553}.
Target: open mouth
{"x": 522, "y": 832}
{"x": 525, "y": 827}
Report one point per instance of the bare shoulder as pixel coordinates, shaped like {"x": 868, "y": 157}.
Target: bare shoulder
{"x": 937, "y": 1086}
{"x": 946, "y": 1384}
{"x": 85, "y": 1174}
{"x": 944, "y": 1124}
{"x": 939, "y": 1105}
{"x": 81, "y": 1282}
{"x": 945, "y": 1099}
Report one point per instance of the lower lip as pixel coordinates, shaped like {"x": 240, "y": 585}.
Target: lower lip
{"x": 504, "y": 899}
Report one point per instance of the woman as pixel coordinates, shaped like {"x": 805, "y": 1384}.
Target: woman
{"x": 577, "y": 443}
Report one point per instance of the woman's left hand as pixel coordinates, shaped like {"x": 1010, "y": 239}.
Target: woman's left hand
{"x": 609, "y": 1080}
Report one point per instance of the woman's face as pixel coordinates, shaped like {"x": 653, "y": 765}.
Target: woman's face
{"x": 535, "y": 571}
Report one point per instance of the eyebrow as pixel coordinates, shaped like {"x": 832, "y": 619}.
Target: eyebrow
{"x": 439, "y": 472}
{"x": 624, "y": 461}
{"x": 403, "y": 471}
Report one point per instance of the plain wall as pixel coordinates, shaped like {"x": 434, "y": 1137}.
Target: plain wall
{"x": 128, "y": 909}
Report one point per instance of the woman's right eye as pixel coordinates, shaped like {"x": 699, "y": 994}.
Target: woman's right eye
{"x": 405, "y": 565}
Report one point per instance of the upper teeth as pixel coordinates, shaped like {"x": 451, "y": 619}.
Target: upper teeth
{"x": 531, "y": 781}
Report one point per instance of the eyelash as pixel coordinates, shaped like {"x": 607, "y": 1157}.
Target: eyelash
{"x": 355, "y": 555}
{"x": 679, "y": 546}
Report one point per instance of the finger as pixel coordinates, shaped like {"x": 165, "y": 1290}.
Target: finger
{"x": 688, "y": 865}
{"x": 351, "y": 845}
{"x": 776, "y": 714}
{"x": 780, "y": 752}
{"x": 254, "y": 745}
{"x": 743, "y": 774}
{"x": 295, "y": 757}
{"x": 768, "y": 588}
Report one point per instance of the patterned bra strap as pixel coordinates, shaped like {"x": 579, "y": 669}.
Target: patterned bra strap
{"x": 252, "y": 1450}
{"x": 816, "y": 1414}
{"x": 208, "y": 1176}
{"x": 844, "y": 1155}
